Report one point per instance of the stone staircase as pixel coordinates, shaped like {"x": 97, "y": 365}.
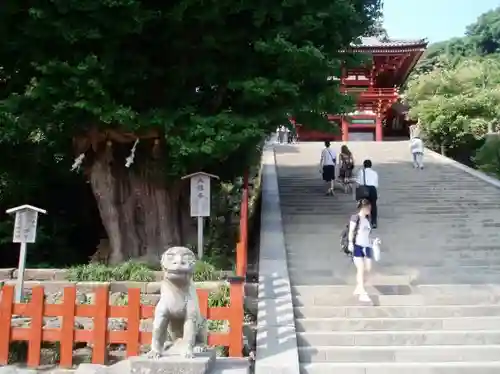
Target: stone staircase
{"x": 436, "y": 291}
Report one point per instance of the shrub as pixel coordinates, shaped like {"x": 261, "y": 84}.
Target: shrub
{"x": 488, "y": 156}
{"x": 204, "y": 271}
{"x": 129, "y": 270}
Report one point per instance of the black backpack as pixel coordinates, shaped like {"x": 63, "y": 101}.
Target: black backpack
{"x": 344, "y": 235}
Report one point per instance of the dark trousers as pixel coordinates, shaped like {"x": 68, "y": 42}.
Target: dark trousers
{"x": 373, "y": 196}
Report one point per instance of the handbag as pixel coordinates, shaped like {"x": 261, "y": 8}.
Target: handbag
{"x": 363, "y": 191}
{"x": 376, "y": 249}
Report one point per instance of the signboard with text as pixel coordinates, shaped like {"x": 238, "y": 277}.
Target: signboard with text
{"x": 25, "y": 226}
{"x": 200, "y": 195}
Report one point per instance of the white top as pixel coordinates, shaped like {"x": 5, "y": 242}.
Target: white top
{"x": 416, "y": 145}
{"x": 371, "y": 177}
{"x": 328, "y": 157}
{"x": 364, "y": 230}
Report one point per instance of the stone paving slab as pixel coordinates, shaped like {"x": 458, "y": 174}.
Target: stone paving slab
{"x": 438, "y": 283}
{"x": 451, "y": 353}
{"x": 399, "y": 368}
{"x": 396, "y": 324}
{"x": 409, "y": 311}
{"x": 409, "y": 338}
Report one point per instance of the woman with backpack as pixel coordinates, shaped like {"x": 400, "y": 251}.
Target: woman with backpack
{"x": 346, "y": 164}
{"x": 360, "y": 246}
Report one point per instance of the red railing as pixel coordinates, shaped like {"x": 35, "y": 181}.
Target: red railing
{"x": 100, "y": 311}
{"x": 242, "y": 245}
{"x": 372, "y": 91}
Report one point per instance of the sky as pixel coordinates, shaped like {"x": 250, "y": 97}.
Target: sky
{"x": 436, "y": 20}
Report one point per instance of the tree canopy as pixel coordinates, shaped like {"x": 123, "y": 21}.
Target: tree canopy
{"x": 210, "y": 76}
{"x": 455, "y": 91}
{"x": 197, "y": 83}
{"x": 481, "y": 38}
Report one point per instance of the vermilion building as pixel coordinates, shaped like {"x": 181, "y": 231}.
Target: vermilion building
{"x": 379, "y": 113}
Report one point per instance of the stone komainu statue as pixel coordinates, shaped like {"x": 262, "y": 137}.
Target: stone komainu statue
{"x": 177, "y": 314}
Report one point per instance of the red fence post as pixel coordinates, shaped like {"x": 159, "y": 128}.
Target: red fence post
{"x": 36, "y": 305}
{"x": 68, "y": 327}
{"x": 6, "y": 307}
{"x": 99, "y": 351}
{"x": 236, "y": 316}
{"x": 133, "y": 321}
{"x": 242, "y": 249}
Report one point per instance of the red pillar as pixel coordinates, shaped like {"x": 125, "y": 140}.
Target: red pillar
{"x": 378, "y": 129}
{"x": 345, "y": 129}
{"x": 242, "y": 246}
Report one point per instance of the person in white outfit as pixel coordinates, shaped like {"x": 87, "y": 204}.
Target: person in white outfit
{"x": 361, "y": 247}
{"x": 417, "y": 151}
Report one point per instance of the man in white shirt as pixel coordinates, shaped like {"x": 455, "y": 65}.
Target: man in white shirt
{"x": 417, "y": 150}
{"x": 369, "y": 177}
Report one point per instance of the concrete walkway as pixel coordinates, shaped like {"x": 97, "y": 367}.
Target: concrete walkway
{"x": 436, "y": 292}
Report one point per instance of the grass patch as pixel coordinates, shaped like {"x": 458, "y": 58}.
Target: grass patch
{"x": 128, "y": 271}
{"x": 204, "y": 272}
{"x": 134, "y": 271}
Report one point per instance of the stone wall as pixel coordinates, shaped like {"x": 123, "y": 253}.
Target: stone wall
{"x": 48, "y": 274}
{"x": 54, "y": 281}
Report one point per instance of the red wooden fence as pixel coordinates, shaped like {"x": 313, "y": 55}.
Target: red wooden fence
{"x": 100, "y": 311}
{"x": 242, "y": 245}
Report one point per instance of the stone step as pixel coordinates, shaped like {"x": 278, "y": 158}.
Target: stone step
{"x": 443, "y": 311}
{"x": 396, "y": 324}
{"x": 396, "y": 300}
{"x": 380, "y": 338}
{"x": 443, "y": 353}
{"x": 401, "y": 289}
{"x": 401, "y": 368}
{"x": 326, "y": 278}
{"x": 397, "y": 267}
{"x": 313, "y": 278}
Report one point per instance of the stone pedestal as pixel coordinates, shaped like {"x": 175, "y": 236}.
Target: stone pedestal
{"x": 202, "y": 363}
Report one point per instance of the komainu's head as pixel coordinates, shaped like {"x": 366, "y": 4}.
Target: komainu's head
{"x": 178, "y": 263}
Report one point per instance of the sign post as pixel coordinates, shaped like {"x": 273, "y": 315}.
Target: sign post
{"x": 24, "y": 232}
{"x": 200, "y": 201}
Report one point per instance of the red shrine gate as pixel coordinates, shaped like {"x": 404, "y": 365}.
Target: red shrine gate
{"x": 379, "y": 112}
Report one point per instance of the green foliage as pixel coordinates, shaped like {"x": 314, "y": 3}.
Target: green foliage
{"x": 457, "y": 105}
{"x": 205, "y": 271}
{"x": 212, "y": 77}
{"x": 482, "y": 38}
{"x": 139, "y": 65}
{"x": 134, "y": 271}
{"x": 485, "y": 32}
{"x": 488, "y": 156}
{"x": 128, "y": 271}
{"x": 456, "y": 96}
{"x": 219, "y": 298}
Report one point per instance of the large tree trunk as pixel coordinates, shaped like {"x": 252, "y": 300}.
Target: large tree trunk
{"x": 140, "y": 212}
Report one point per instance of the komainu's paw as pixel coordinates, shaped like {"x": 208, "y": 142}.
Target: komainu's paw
{"x": 153, "y": 355}
{"x": 200, "y": 349}
{"x": 188, "y": 353}
{"x": 167, "y": 345}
